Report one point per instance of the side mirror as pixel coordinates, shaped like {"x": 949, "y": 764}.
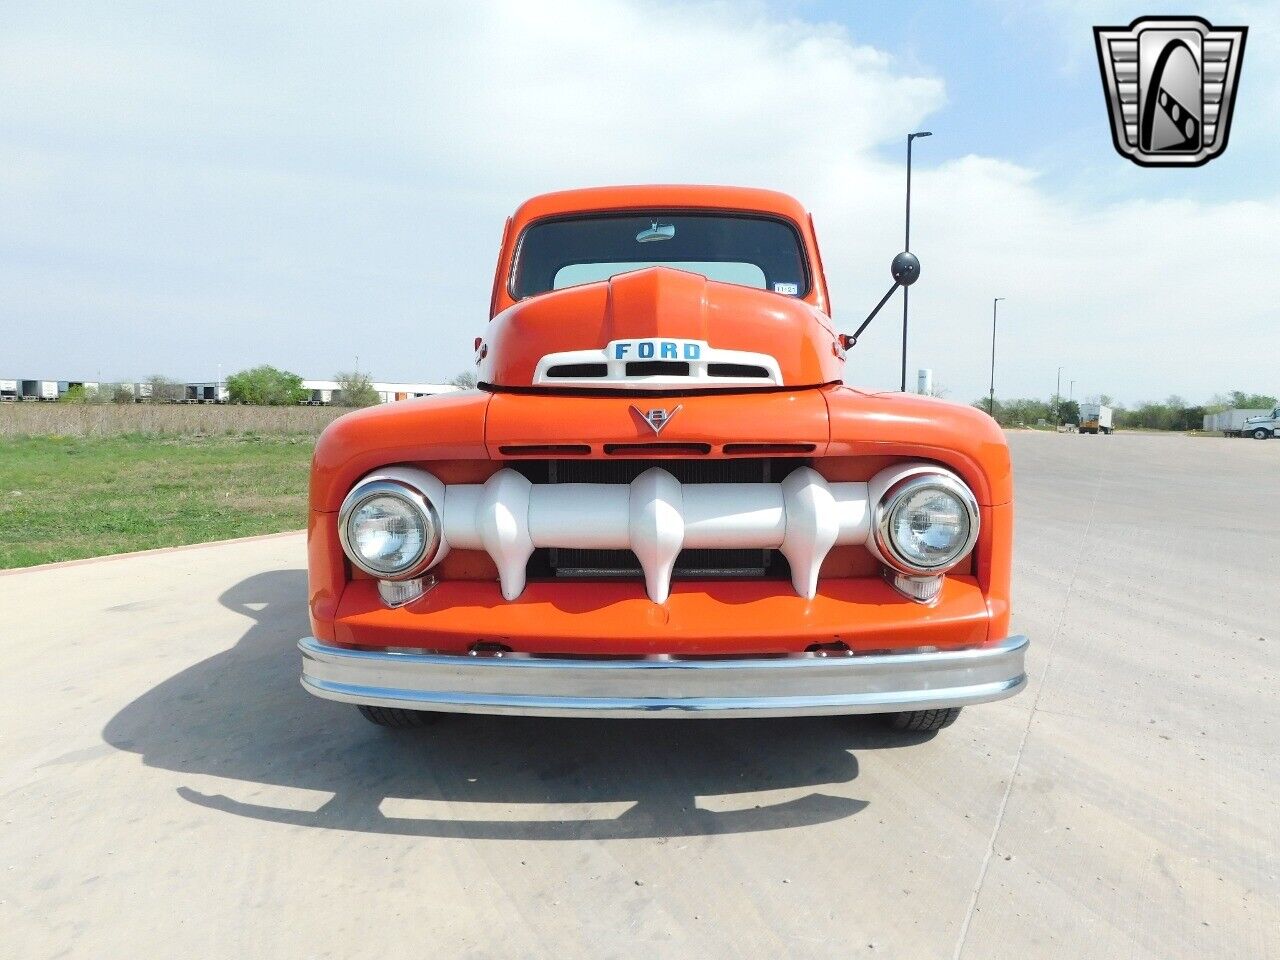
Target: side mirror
{"x": 905, "y": 270}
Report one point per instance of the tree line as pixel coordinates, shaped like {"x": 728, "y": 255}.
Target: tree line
{"x": 1172, "y": 413}
{"x": 264, "y": 386}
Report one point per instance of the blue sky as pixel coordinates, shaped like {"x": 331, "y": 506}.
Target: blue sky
{"x": 185, "y": 187}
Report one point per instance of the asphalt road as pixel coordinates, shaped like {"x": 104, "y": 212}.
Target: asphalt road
{"x": 167, "y": 789}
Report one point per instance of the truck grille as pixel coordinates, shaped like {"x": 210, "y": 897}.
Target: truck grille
{"x": 568, "y": 563}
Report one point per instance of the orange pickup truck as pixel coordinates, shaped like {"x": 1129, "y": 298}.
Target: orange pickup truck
{"x": 663, "y": 500}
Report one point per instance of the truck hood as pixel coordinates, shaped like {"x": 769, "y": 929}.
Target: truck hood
{"x": 659, "y": 329}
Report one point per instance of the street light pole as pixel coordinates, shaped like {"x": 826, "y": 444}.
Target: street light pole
{"x": 1057, "y": 398}
{"x": 991, "y": 399}
{"x": 906, "y": 246}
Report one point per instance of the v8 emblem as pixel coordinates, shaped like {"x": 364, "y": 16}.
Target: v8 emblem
{"x": 658, "y": 418}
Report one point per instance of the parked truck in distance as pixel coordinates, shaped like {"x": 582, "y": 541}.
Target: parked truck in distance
{"x": 1095, "y": 418}
{"x": 1262, "y": 427}
{"x": 1258, "y": 423}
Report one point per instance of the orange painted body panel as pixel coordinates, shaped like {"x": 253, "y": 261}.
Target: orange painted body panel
{"x": 449, "y": 426}
{"x": 707, "y": 617}
{"x": 994, "y": 555}
{"x": 326, "y": 573}
{"x": 844, "y": 433}
{"x": 906, "y": 425}
{"x": 792, "y": 416}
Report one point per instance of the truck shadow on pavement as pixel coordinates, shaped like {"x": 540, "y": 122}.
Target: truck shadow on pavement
{"x": 241, "y": 715}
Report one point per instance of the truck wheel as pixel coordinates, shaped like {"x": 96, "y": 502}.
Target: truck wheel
{"x": 396, "y": 718}
{"x": 1261, "y": 434}
{"x": 918, "y": 720}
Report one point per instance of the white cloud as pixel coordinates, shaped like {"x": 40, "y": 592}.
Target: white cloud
{"x": 297, "y": 187}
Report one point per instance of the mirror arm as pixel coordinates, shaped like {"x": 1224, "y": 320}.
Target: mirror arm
{"x": 848, "y": 341}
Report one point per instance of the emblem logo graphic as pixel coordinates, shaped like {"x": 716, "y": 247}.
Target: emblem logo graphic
{"x": 656, "y": 419}
{"x": 1171, "y": 86}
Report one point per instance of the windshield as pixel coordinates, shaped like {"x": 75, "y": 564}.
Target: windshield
{"x": 750, "y": 251}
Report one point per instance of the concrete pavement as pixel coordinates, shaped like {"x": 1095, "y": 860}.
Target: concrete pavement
{"x": 167, "y": 789}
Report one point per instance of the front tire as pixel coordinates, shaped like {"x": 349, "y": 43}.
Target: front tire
{"x": 395, "y": 718}
{"x": 923, "y": 720}
{"x": 1261, "y": 434}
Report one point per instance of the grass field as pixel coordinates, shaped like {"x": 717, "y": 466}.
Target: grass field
{"x": 64, "y": 497}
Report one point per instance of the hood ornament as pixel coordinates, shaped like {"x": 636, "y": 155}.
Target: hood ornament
{"x": 658, "y": 417}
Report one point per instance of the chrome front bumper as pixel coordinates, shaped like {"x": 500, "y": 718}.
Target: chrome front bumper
{"x": 786, "y": 686}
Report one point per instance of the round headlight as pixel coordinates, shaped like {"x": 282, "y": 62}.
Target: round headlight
{"x": 388, "y": 529}
{"x": 926, "y": 524}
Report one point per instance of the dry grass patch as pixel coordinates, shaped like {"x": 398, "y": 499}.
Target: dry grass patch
{"x": 107, "y": 420}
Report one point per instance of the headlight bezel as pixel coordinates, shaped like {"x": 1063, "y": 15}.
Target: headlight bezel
{"x": 896, "y": 495}
{"x": 417, "y": 501}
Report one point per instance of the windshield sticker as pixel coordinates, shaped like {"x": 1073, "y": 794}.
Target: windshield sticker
{"x": 788, "y": 288}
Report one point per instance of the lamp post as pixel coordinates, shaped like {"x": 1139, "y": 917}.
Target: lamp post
{"x": 991, "y": 400}
{"x": 1057, "y": 398}
{"x": 906, "y": 246}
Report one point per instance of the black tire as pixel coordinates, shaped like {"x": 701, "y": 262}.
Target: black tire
{"x": 394, "y": 718}
{"x": 923, "y": 720}
{"x": 1261, "y": 434}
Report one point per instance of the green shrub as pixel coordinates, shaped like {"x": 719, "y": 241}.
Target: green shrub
{"x": 355, "y": 390}
{"x": 266, "y": 386}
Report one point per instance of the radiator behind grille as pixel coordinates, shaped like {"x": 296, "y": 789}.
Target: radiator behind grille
{"x": 565, "y": 562}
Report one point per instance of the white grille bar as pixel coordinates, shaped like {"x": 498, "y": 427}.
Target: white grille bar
{"x": 655, "y": 516}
